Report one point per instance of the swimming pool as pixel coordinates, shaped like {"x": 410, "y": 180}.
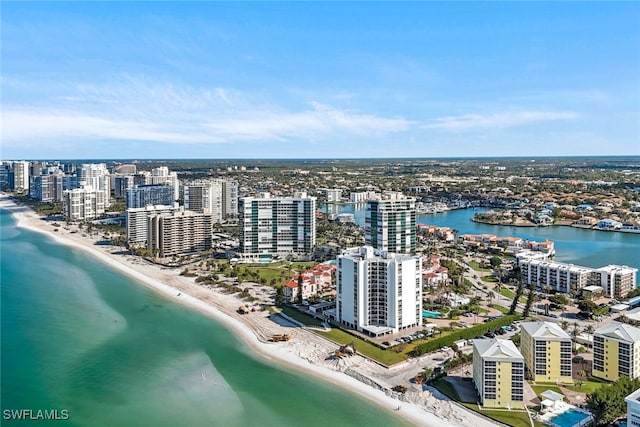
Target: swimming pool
{"x": 432, "y": 314}
{"x": 570, "y": 418}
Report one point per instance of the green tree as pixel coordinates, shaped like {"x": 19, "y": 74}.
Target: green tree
{"x": 559, "y": 299}
{"x": 279, "y": 295}
{"x": 495, "y": 261}
{"x": 300, "y": 288}
{"x": 514, "y": 304}
{"x": 530, "y": 299}
{"x": 607, "y": 403}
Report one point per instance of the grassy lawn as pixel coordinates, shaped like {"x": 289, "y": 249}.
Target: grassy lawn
{"x": 476, "y": 266}
{"x": 500, "y": 308}
{"x": 512, "y": 418}
{"x": 301, "y": 317}
{"x": 510, "y": 294}
{"x": 489, "y": 279}
{"x": 303, "y": 265}
{"x": 590, "y": 385}
{"x": 386, "y": 357}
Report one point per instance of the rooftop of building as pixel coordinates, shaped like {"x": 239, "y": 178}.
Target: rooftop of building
{"x": 497, "y": 349}
{"x": 620, "y": 331}
{"x": 370, "y": 253}
{"x": 547, "y": 330}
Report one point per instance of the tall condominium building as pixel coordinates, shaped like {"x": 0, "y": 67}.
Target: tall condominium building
{"x": 546, "y": 349}
{"x": 205, "y": 196}
{"x": 616, "y": 280}
{"x": 96, "y": 176}
{"x": 21, "y": 176}
{"x": 179, "y": 233}
{"x": 84, "y": 203}
{"x": 229, "y": 198}
{"x": 333, "y": 194}
{"x": 278, "y": 225}
{"x": 5, "y": 169}
{"x": 121, "y": 183}
{"x": 136, "y": 220}
{"x": 144, "y": 195}
{"x": 498, "y": 373}
{"x": 162, "y": 175}
{"x": 219, "y": 197}
{"x": 391, "y": 225}
{"x": 378, "y": 292}
{"x": 633, "y": 409}
{"x": 616, "y": 351}
{"x": 47, "y": 188}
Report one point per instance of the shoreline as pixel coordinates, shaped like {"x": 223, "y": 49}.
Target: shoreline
{"x": 570, "y": 225}
{"x": 300, "y": 354}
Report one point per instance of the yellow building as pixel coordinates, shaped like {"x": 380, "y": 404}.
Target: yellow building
{"x": 616, "y": 351}
{"x": 546, "y": 349}
{"x": 498, "y": 373}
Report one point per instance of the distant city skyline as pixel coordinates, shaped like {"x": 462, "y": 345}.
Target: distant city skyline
{"x": 277, "y": 80}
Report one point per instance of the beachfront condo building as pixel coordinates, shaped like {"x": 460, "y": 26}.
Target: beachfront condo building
{"x": 616, "y": 351}
{"x": 218, "y": 197}
{"x": 145, "y": 195}
{"x": 83, "y": 204}
{"x": 498, "y": 373}
{"x": 96, "y": 176}
{"x": 47, "y": 188}
{"x": 390, "y": 224}
{"x": 277, "y": 225}
{"x": 137, "y": 222}
{"x": 616, "y": 280}
{"x": 633, "y": 409}
{"x": 546, "y": 349}
{"x": 178, "y": 233}
{"x": 378, "y": 292}
{"x": 20, "y": 176}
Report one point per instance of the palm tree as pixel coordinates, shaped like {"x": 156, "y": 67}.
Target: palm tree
{"x": 589, "y": 329}
{"x": 564, "y": 325}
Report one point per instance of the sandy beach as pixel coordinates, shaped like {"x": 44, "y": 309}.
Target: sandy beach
{"x": 306, "y": 352}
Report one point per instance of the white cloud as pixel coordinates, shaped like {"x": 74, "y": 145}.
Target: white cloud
{"x": 22, "y": 125}
{"x": 498, "y": 120}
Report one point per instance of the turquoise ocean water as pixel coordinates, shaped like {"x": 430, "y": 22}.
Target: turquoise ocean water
{"x": 81, "y": 337}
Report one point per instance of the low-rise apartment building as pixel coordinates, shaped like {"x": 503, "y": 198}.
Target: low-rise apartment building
{"x": 498, "y": 373}
{"x": 616, "y": 351}
{"x": 546, "y": 349}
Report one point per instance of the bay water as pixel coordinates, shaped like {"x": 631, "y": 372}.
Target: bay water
{"x": 589, "y": 248}
{"x": 81, "y": 337}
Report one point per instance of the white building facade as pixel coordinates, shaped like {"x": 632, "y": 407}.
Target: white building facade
{"x": 96, "y": 176}
{"x": 83, "y": 204}
{"x": 391, "y": 225}
{"x": 378, "y": 292}
{"x": 145, "y": 195}
{"x": 277, "y": 226}
{"x": 136, "y": 220}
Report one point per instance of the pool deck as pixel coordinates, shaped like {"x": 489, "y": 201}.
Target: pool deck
{"x": 557, "y": 409}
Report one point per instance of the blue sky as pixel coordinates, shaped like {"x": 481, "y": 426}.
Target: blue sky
{"x": 334, "y": 79}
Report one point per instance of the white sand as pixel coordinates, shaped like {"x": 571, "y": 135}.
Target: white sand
{"x": 305, "y": 352}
